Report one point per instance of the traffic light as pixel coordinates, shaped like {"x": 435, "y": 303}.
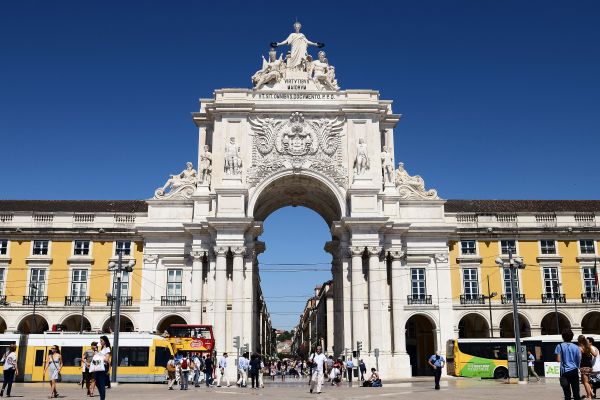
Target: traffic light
{"x": 246, "y": 348}
{"x": 358, "y": 345}
{"x": 236, "y": 342}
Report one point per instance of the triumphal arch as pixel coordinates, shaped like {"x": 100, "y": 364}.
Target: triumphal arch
{"x": 297, "y": 137}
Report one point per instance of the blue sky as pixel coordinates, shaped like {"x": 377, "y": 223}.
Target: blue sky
{"x": 499, "y": 99}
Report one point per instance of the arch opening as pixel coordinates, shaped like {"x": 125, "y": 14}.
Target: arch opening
{"x": 126, "y": 325}
{"x": 590, "y": 324}
{"x": 507, "y": 329}
{"x": 473, "y": 326}
{"x": 167, "y": 321}
{"x": 420, "y": 343}
{"x": 33, "y": 324}
{"x": 72, "y": 323}
{"x": 2, "y": 325}
{"x": 550, "y": 325}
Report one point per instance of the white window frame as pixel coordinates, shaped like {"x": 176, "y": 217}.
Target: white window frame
{"x": 516, "y": 252}
{"x": 477, "y": 280}
{"x": 116, "y": 254}
{"x": 89, "y": 250}
{"x": 87, "y": 280}
{"x": 461, "y": 247}
{"x": 7, "y": 253}
{"x": 506, "y": 282}
{"x": 581, "y": 253}
{"x": 548, "y": 254}
{"x": 48, "y": 253}
{"x": 419, "y": 295}
{"x": 29, "y": 282}
{"x": 3, "y": 273}
{"x": 584, "y": 279}
{"x": 556, "y": 267}
{"x": 127, "y": 283}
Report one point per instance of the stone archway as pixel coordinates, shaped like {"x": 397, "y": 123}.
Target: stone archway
{"x": 548, "y": 323}
{"x": 33, "y": 324}
{"x": 590, "y": 324}
{"x": 420, "y": 343}
{"x": 473, "y": 325}
{"x": 2, "y": 325}
{"x": 72, "y": 323}
{"x": 169, "y": 320}
{"x": 507, "y": 326}
{"x": 126, "y": 325}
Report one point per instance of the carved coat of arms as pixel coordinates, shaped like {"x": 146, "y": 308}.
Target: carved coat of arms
{"x": 297, "y": 143}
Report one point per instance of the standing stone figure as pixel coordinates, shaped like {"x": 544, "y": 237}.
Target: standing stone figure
{"x": 298, "y": 46}
{"x": 270, "y": 71}
{"x": 187, "y": 179}
{"x": 205, "y": 166}
{"x": 233, "y": 161}
{"x": 361, "y": 163}
{"x": 388, "y": 165}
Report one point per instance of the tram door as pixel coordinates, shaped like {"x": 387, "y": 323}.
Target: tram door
{"x": 40, "y": 355}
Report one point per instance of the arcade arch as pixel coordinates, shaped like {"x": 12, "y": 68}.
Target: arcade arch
{"x": 420, "y": 342}
{"x": 548, "y": 323}
{"x": 33, "y": 324}
{"x": 507, "y": 329}
{"x": 473, "y": 325}
{"x": 126, "y": 324}
{"x": 72, "y": 323}
{"x": 590, "y": 324}
{"x": 167, "y": 321}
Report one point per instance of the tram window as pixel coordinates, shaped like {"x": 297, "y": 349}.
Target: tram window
{"x": 161, "y": 357}
{"x": 494, "y": 351}
{"x": 133, "y": 356}
{"x": 39, "y": 358}
{"x": 71, "y": 355}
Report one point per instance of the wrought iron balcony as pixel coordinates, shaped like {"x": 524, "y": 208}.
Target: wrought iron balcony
{"x": 506, "y": 298}
{"x": 126, "y": 301}
{"x": 419, "y": 299}
{"x": 37, "y": 300}
{"x": 472, "y": 299}
{"x": 550, "y": 297}
{"x": 173, "y": 300}
{"x": 77, "y": 300}
{"x": 590, "y": 297}
{"x": 3, "y": 301}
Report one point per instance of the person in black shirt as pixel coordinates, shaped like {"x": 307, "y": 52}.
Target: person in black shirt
{"x": 208, "y": 369}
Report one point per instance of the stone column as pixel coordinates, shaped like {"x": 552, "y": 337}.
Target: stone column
{"x": 249, "y": 315}
{"x": 346, "y": 299}
{"x": 375, "y": 298}
{"x": 358, "y": 301}
{"x": 220, "y": 299}
{"x": 237, "y": 311}
{"x": 397, "y": 302}
{"x": 197, "y": 287}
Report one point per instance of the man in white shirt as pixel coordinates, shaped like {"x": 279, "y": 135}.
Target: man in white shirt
{"x": 243, "y": 370}
{"x": 318, "y": 361}
{"x": 222, "y": 370}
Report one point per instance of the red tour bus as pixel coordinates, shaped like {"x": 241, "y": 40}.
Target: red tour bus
{"x": 191, "y": 338}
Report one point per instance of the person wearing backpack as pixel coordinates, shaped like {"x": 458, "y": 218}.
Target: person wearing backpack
{"x": 437, "y": 362}
{"x": 569, "y": 357}
{"x": 171, "y": 368}
{"x": 184, "y": 367}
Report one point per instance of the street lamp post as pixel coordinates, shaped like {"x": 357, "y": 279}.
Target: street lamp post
{"x": 489, "y": 298}
{"x": 513, "y": 265}
{"x": 110, "y": 298}
{"x": 555, "y": 294}
{"x": 82, "y": 314}
{"x": 33, "y": 321}
{"x": 118, "y": 268}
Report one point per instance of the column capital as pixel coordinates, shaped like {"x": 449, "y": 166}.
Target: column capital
{"x": 150, "y": 258}
{"x": 374, "y": 250}
{"x": 441, "y": 257}
{"x": 220, "y": 251}
{"x": 355, "y": 251}
{"x": 238, "y": 251}
{"x": 197, "y": 255}
{"x": 396, "y": 254}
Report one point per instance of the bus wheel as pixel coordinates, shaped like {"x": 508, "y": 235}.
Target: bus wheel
{"x": 500, "y": 373}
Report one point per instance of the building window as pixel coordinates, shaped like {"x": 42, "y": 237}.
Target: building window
{"x": 124, "y": 284}
{"x": 123, "y": 246}
{"x": 3, "y": 247}
{"x": 467, "y": 247}
{"x": 1, "y": 281}
{"x": 471, "y": 283}
{"x": 40, "y": 247}
{"x": 586, "y": 246}
{"x": 79, "y": 282}
{"x": 82, "y": 248}
{"x": 174, "y": 279}
{"x": 37, "y": 282}
{"x": 506, "y": 276}
{"x": 548, "y": 246}
{"x": 508, "y": 245}
{"x": 551, "y": 285}
{"x": 589, "y": 282}
{"x": 417, "y": 276}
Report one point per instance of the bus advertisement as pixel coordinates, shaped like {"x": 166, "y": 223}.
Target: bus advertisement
{"x": 191, "y": 338}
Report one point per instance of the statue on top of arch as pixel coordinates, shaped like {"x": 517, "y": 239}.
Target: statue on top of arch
{"x": 297, "y": 64}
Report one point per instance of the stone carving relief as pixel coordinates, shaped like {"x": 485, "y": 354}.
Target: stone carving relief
{"x": 387, "y": 163}
{"x": 233, "y": 161}
{"x": 412, "y": 187}
{"x": 297, "y": 143}
{"x": 361, "y": 162}
{"x": 180, "y": 186}
{"x": 205, "y": 167}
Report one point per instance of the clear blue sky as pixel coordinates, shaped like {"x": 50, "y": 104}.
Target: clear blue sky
{"x": 499, "y": 99}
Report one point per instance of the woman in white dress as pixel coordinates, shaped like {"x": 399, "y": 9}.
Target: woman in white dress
{"x": 54, "y": 364}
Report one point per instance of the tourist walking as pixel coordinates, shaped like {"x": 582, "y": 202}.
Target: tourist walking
{"x": 363, "y": 369}
{"x": 53, "y": 365}
{"x": 243, "y": 364}
{"x": 106, "y": 352}
{"x": 10, "y": 369}
{"x": 254, "y": 370}
{"x": 437, "y": 362}
{"x": 260, "y": 371}
{"x": 531, "y": 366}
{"x": 317, "y": 361}
{"x": 569, "y": 357}
{"x": 586, "y": 364}
{"x": 171, "y": 368}
{"x": 209, "y": 365}
{"x": 197, "y": 366}
{"x": 222, "y": 371}
{"x": 184, "y": 372}
{"x": 349, "y": 368}
{"x": 98, "y": 368}
{"x": 86, "y": 362}
{"x": 595, "y": 375}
